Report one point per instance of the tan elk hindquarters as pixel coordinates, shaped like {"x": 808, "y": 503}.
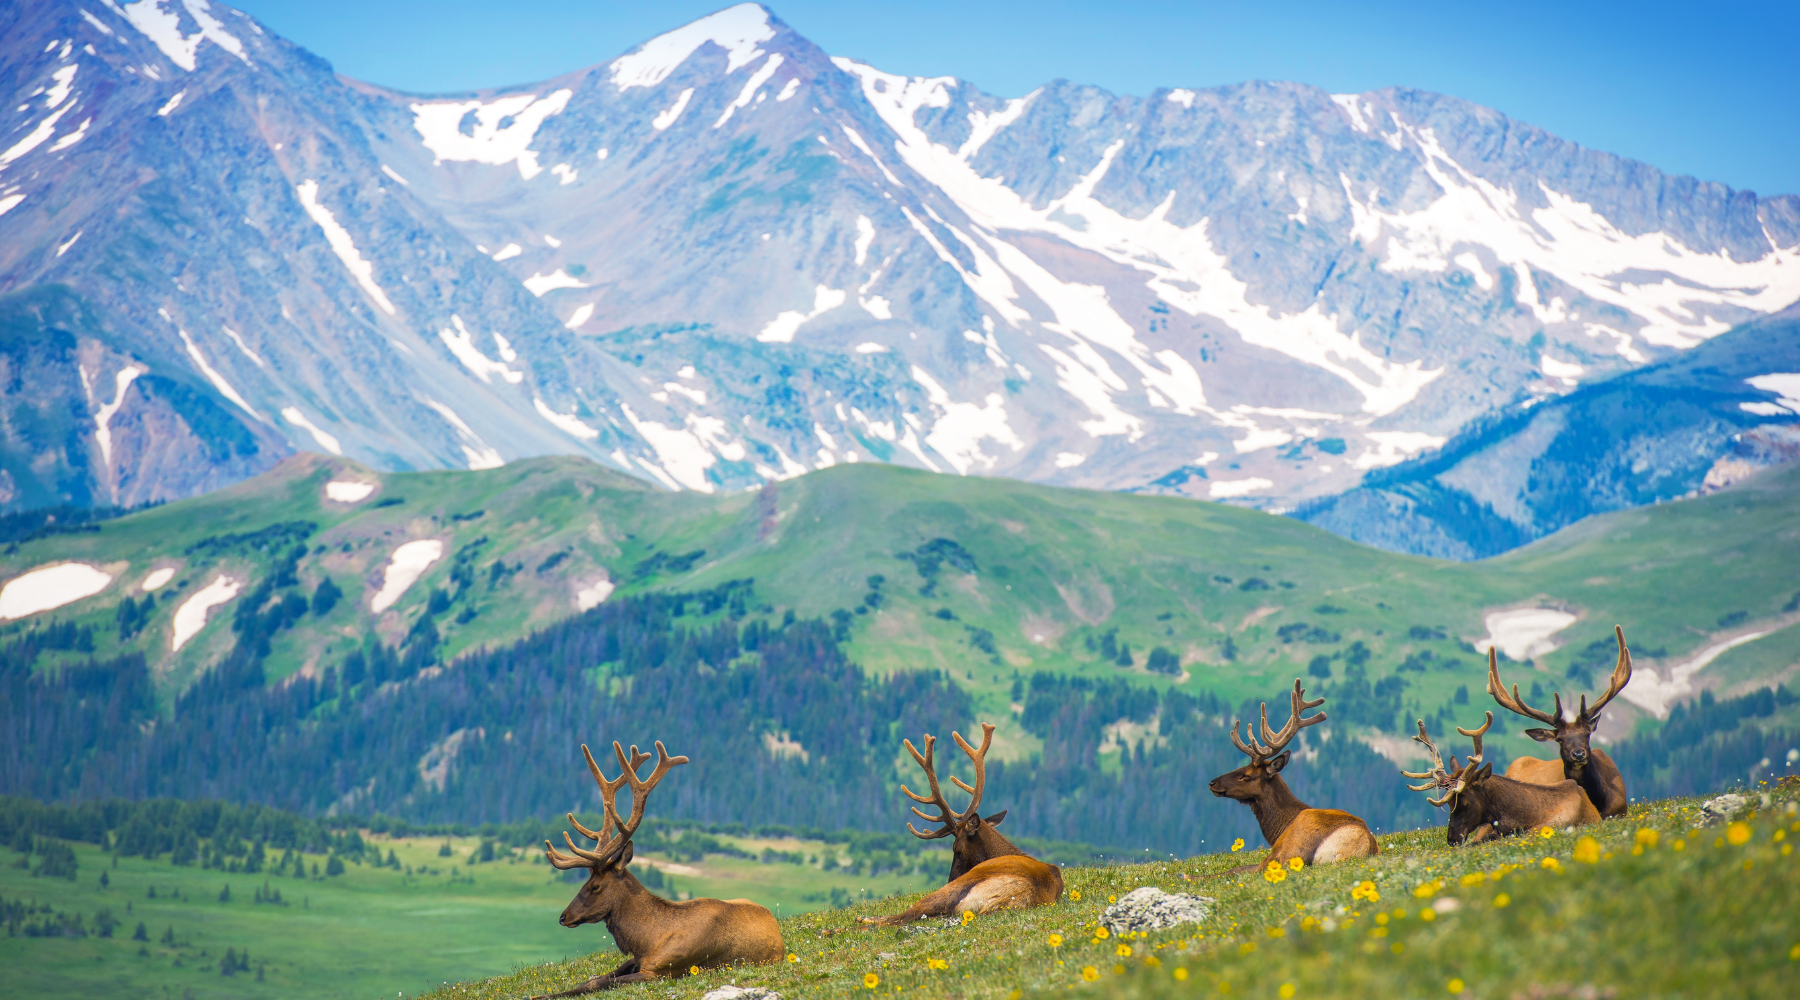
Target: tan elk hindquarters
{"x": 1292, "y": 828}
{"x": 664, "y": 939}
{"x": 1577, "y": 759}
{"x": 987, "y": 871}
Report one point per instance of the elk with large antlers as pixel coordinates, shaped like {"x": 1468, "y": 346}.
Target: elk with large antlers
{"x": 1588, "y": 765}
{"x": 987, "y": 872}
{"x": 663, "y": 938}
{"x": 1292, "y": 828}
{"x": 1483, "y": 807}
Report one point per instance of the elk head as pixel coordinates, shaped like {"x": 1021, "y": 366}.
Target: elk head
{"x": 1254, "y": 780}
{"x": 1463, "y": 785}
{"x": 609, "y": 879}
{"x": 977, "y": 840}
{"x": 1570, "y": 735}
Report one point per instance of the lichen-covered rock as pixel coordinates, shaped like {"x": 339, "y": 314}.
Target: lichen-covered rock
{"x": 1725, "y": 806}
{"x": 741, "y": 993}
{"x": 1151, "y": 909}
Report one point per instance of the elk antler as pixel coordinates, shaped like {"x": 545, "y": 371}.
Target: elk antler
{"x": 1436, "y": 776}
{"x": 949, "y": 817}
{"x": 1513, "y": 702}
{"x": 1475, "y": 734}
{"x": 1274, "y": 742}
{"x": 1621, "y": 676}
{"x": 613, "y": 834}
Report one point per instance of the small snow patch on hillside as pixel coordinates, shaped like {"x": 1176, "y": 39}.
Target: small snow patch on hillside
{"x": 326, "y": 441}
{"x": 190, "y": 618}
{"x": 50, "y": 587}
{"x": 462, "y": 344}
{"x": 342, "y": 245}
{"x": 1221, "y": 489}
{"x": 538, "y": 284}
{"x": 1523, "y": 633}
{"x": 782, "y": 328}
{"x": 348, "y": 491}
{"x": 157, "y": 579}
{"x": 593, "y": 595}
{"x": 408, "y": 563}
{"x": 440, "y": 127}
{"x": 667, "y": 117}
{"x": 568, "y": 423}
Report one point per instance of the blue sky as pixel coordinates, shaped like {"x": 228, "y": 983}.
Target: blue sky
{"x": 1704, "y": 89}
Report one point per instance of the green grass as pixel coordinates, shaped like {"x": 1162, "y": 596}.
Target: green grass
{"x": 1692, "y": 915}
{"x": 1056, "y": 569}
{"x": 369, "y": 932}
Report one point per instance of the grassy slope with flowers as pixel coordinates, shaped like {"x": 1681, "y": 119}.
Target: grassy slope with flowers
{"x": 1657, "y": 903}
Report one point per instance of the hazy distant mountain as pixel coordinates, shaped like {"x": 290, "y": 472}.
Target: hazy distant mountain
{"x": 726, "y": 257}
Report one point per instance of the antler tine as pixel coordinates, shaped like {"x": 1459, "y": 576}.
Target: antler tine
{"x": 1298, "y": 703}
{"x": 562, "y": 861}
{"x": 1252, "y": 754}
{"x": 1621, "y": 676}
{"x": 1475, "y": 734}
{"x": 592, "y": 856}
{"x": 1438, "y": 777}
{"x": 1512, "y": 703}
{"x": 609, "y": 791}
{"x": 641, "y": 788}
{"x": 979, "y": 759}
{"x": 927, "y": 763}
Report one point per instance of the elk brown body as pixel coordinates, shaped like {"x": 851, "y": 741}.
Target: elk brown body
{"x": 987, "y": 871}
{"x": 1579, "y": 761}
{"x": 1484, "y": 807}
{"x": 1292, "y": 828}
{"x": 664, "y": 938}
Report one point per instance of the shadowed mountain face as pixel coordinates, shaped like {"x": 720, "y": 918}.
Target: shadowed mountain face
{"x": 727, "y": 257}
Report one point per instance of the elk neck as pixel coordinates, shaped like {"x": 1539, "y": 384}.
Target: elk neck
{"x": 993, "y": 844}
{"x": 1276, "y": 807}
{"x": 635, "y": 915}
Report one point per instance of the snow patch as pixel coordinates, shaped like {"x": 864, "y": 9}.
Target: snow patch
{"x": 1656, "y": 695}
{"x": 871, "y": 347}
{"x": 103, "y": 418}
{"x": 680, "y": 449}
{"x": 593, "y": 595}
{"x": 751, "y": 86}
{"x": 737, "y": 30}
{"x": 1783, "y": 384}
{"x": 243, "y": 347}
{"x": 1220, "y": 489}
{"x": 508, "y": 252}
{"x": 960, "y": 428}
{"x": 1349, "y": 103}
{"x": 876, "y": 306}
{"x": 667, "y": 117}
{"x": 865, "y": 236}
{"x": 157, "y": 579}
{"x": 440, "y": 128}
{"x": 1569, "y": 372}
{"x": 59, "y": 91}
{"x": 1069, "y": 459}
{"x": 213, "y": 376}
{"x": 565, "y": 172}
{"x": 171, "y": 104}
{"x": 342, "y": 245}
{"x": 581, "y": 315}
{"x": 50, "y": 587}
{"x": 408, "y": 563}
{"x": 782, "y": 328}
{"x": 475, "y": 450}
{"x": 293, "y": 416}
{"x": 163, "y": 28}
{"x": 568, "y": 423}
{"x": 348, "y": 491}
{"x": 1393, "y": 447}
{"x": 788, "y": 90}
{"x": 538, "y": 284}
{"x": 403, "y": 182}
{"x": 1182, "y": 96}
{"x": 190, "y": 618}
{"x": 462, "y": 344}
{"x": 1523, "y": 632}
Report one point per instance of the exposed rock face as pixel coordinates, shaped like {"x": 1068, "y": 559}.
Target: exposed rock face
{"x": 1151, "y": 909}
{"x": 727, "y": 257}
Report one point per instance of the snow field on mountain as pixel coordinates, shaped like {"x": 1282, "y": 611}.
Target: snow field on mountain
{"x": 737, "y": 30}
{"x": 1523, "y": 633}
{"x": 462, "y": 344}
{"x": 405, "y": 566}
{"x": 342, "y": 245}
{"x": 293, "y": 415}
{"x": 163, "y": 27}
{"x": 474, "y": 449}
{"x": 157, "y": 579}
{"x": 50, "y": 587}
{"x": 190, "y": 618}
{"x": 103, "y": 416}
{"x": 212, "y": 374}
{"x": 440, "y": 128}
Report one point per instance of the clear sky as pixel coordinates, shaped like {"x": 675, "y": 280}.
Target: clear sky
{"x": 1708, "y": 89}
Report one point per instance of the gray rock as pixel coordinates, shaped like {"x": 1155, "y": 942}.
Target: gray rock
{"x": 741, "y": 993}
{"x": 1725, "y": 806}
{"x": 1151, "y": 909}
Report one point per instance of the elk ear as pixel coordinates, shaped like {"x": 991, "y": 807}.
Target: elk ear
{"x": 995, "y": 819}
{"x": 624, "y": 857}
{"x": 1277, "y": 762}
{"x": 1542, "y": 735}
{"x": 1486, "y": 772}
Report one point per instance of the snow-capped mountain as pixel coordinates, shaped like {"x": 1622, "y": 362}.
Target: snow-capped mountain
{"x": 726, "y": 257}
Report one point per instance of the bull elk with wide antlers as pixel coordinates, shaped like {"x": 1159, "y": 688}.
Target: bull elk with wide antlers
{"x": 1292, "y": 828}
{"x": 1483, "y": 807}
{"x": 987, "y": 871}
{"x": 663, "y": 938}
{"x": 1587, "y": 765}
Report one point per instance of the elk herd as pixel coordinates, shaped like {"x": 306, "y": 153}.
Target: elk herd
{"x": 988, "y": 872}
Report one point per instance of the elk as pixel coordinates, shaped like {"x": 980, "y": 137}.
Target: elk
{"x": 1483, "y": 807}
{"x": 1292, "y": 828}
{"x": 1588, "y": 765}
{"x": 663, "y": 938}
{"x": 987, "y": 871}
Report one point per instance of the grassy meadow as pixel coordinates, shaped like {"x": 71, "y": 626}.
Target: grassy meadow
{"x": 370, "y": 932}
{"x": 1662, "y": 902}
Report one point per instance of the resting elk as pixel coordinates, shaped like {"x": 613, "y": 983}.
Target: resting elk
{"x": 1292, "y": 828}
{"x": 1588, "y": 765}
{"x": 1483, "y": 807}
{"x": 664, "y": 938}
{"x": 987, "y": 871}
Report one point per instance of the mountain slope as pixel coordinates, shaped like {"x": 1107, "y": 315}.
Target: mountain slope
{"x": 1698, "y": 421}
{"x": 727, "y": 257}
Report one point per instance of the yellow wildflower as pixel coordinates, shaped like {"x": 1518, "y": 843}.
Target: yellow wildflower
{"x": 1469, "y": 881}
{"x": 1679, "y": 845}
{"x": 1237, "y": 845}
{"x": 1647, "y": 837}
{"x": 1112, "y": 899}
{"x": 871, "y": 980}
{"x": 1181, "y": 974}
{"x": 1090, "y": 973}
{"x": 693, "y": 970}
{"x": 1455, "y": 986}
{"x": 1274, "y": 873}
{"x": 793, "y": 957}
{"x": 1118, "y": 970}
{"x": 1502, "y": 901}
{"x": 1296, "y": 864}
{"x": 1075, "y": 895}
{"x": 1056, "y": 940}
{"x": 1738, "y": 833}
{"x": 1276, "y": 932}
{"x": 1428, "y": 914}
{"x": 936, "y": 963}
{"x": 1123, "y": 951}
{"x": 1153, "y": 962}
{"x": 1286, "y": 992}
{"x": 1587, "y": 851}
{"x": 1426, "y": 890}
{"x": 1544, "y": 832}
{"x": 1550, "y": 864}
{"x": 1794, "y": 953}
{"x": 1367, "y": 891}
{"x": 1101, "y": 933}
{"x": 1247, "y": 947}
{"x": 967, "y": 916}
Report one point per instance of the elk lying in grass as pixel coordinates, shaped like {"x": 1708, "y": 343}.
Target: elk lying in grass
{"x": 1483, "y": 807}
{"x": 987, "y": 872}
{"x": 1292, "y": 828}
{"x": 1588, "y": 765}
{"x": 663, "y": 938}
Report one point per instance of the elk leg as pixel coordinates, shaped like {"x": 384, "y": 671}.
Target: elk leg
{"x": 936, "y": 904}
{"x": 623, "y": 975}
